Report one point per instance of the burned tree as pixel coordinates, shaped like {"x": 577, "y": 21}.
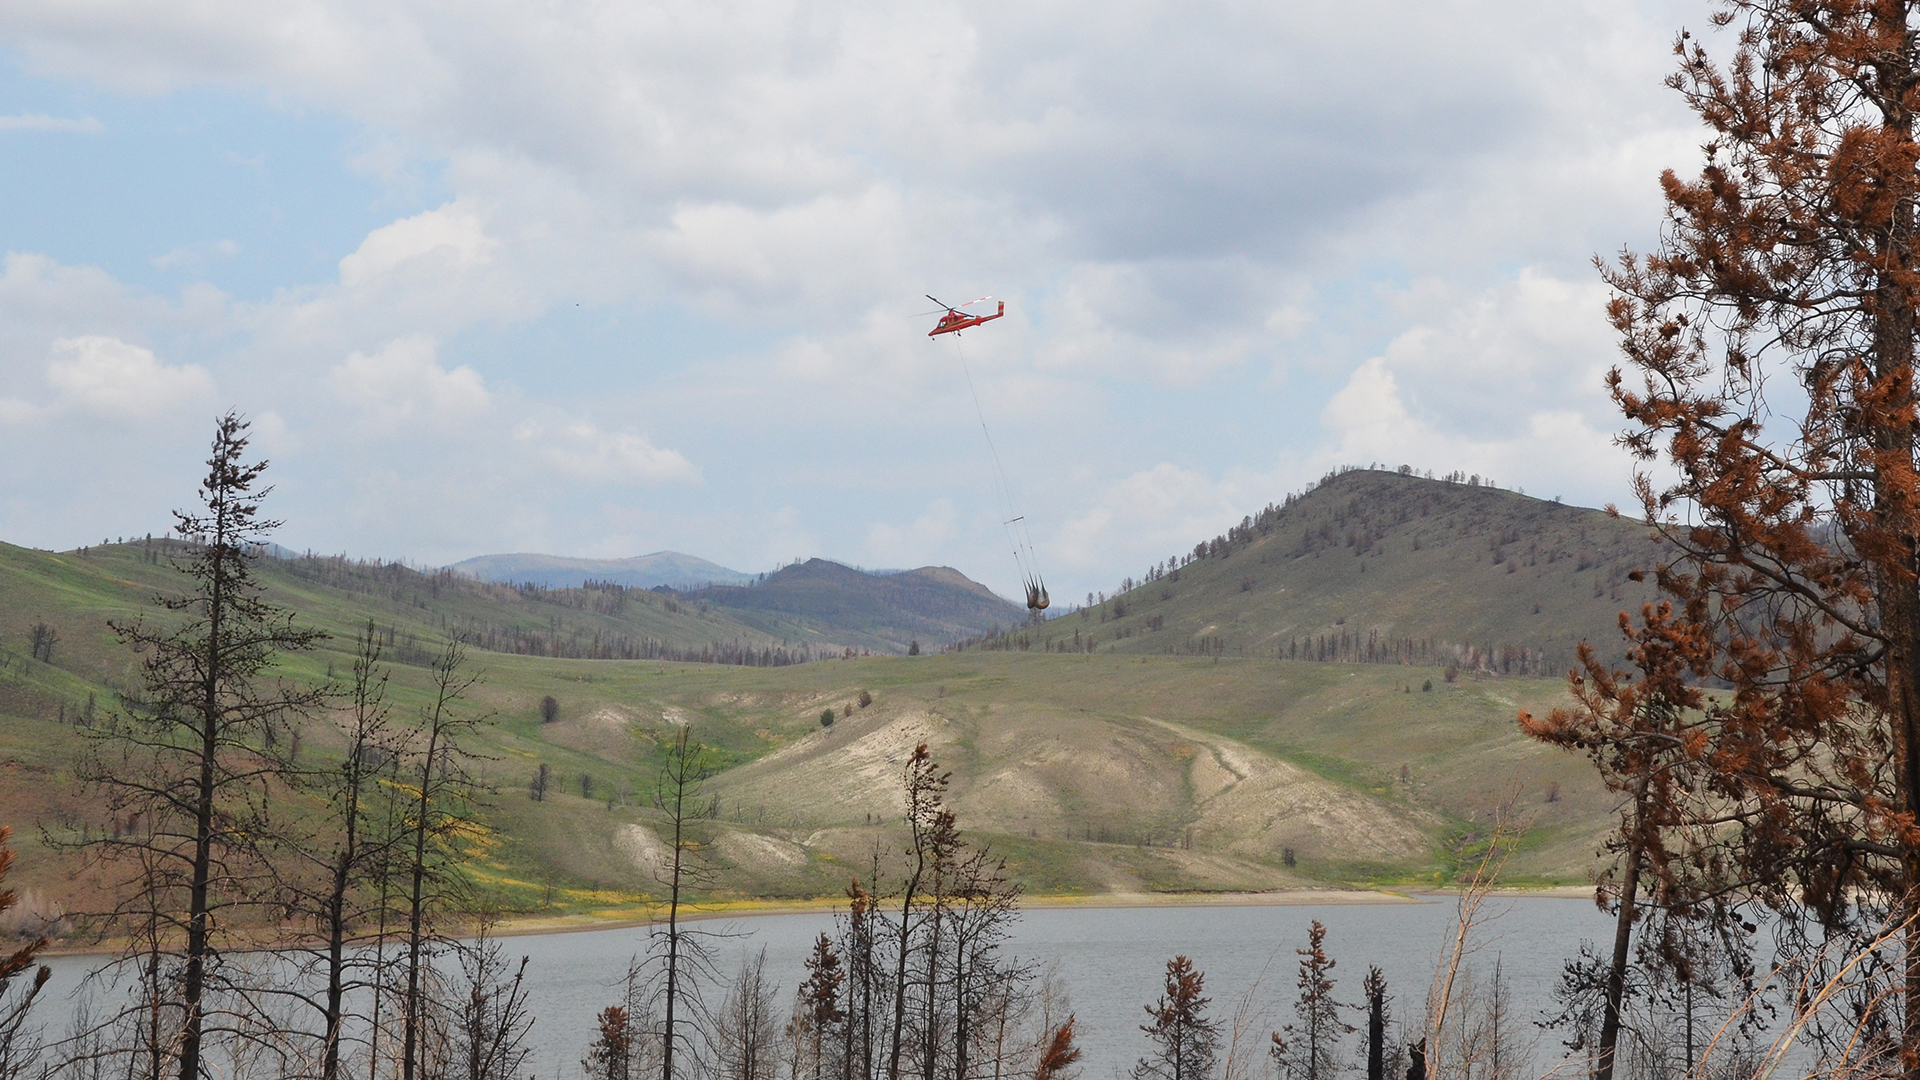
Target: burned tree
{"x": 1186, "y": 1042}
{"x": 1770, "y": 346}
{"x": 440, "y": 797}
{"x": 187, "y": 757}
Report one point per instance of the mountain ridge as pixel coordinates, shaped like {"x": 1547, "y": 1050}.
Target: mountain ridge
{"x": 673, "y": 569}
{"x": 1384, "y": 566}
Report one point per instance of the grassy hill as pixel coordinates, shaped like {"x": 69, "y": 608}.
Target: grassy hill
{"x": 1120, "y": 770}
{"x": 1092, "y": 773}
{"x": 1379, "y": 566}
{"x": 878, "y": 612}
{"x": 669, "y": 568}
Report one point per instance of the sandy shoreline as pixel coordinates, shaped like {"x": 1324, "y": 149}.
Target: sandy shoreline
{"x": 576, "y": 924}
{"x": 746, "y": 909}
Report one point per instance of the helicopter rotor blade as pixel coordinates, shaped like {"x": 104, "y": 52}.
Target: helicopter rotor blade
{"x": 943, "y": 304}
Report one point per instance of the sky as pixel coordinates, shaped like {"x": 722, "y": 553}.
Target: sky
{"x": 602, "y": 279}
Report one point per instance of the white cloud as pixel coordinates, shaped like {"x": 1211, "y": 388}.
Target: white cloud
{"x": 84, "y": 125}
{"x": 581, "y": 450}
{"x": 196, "y": 256}
{"x": 1204, "y": 222}
{"x": 108, "y": 376}
{"x": 404, "y": 383}
{"x": 1545, "y": 450}
{"x": 916, "y": 543}
{"x": 452, "y": 237}
{"x": 1148, "y": 516}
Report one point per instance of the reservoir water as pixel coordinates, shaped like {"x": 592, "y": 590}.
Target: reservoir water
{"x": 1112, "y": 960}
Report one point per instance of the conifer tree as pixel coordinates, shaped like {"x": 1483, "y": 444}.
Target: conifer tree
{"x": 1186, "y": 1042}
{"x": 188, "y": 757}
{"x": 1309, "y": 1048}
{"x": 1770, "y": 346}
{"x": 820, "y": 1001}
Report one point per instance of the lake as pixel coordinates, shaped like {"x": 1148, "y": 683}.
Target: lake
{"x": 1113, "y": 961}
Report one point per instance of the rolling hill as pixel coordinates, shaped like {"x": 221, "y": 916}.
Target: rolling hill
{"x": 1378, "y": 566}
{"x": 1160, "y": 740}
{"x": 662, "y": 568}
{"x": 879, "y": 612}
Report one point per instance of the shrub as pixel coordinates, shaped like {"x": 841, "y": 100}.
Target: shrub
{"x": 549, "y": 710}
{"x": 866, "y": 699}
{"x": 826, "y": 717}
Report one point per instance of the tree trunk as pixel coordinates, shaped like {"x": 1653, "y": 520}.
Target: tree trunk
{"x": 673, "y": 942}
{"x": 1377, "y": 1035}
{"x": 193, "y": 987}
{"x": 410, "y": 1039}
{"x": 336, "y": 959}
{"x": 1617, "y": 968}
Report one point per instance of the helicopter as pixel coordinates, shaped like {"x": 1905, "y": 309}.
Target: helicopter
{"x": 955, "y": 320}
{"x": 952, "y": 322}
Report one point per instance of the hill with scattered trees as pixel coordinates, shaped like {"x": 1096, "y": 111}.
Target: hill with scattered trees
{"x": 669, "y": 568}
{"x": 1370, "y": 566}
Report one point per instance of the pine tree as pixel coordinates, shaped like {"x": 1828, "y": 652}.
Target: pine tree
{"x": 820, "y": 1000}
{"x": 610, "y": 1055}
{"x": 189, "y": 758}
{"x": 1186, "y": 1042}
{"x": 1771, "y": 346}
{"x": 1309, "y": 1048}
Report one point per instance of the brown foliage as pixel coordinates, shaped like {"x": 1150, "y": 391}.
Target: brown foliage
{"x": 1060, "y": 1054}
{"x": 1791, "y": 260}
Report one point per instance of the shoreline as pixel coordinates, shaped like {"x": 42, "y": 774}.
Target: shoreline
{"x": 588, "y": 922}
{"x": 749, "y": 909}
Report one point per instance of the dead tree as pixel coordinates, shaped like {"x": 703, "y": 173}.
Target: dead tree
{"x": 186, "y": 758}
{"x": 442, "y": 797}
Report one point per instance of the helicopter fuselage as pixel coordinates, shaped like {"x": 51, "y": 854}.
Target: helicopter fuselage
{"x": 953, "y": 321}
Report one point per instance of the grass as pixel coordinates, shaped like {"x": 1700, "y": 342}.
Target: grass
{"x": 1368, "y": 783}
{"x": 1373, "y": 553}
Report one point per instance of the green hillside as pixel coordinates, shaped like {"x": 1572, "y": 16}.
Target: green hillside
{"x": 886, "y": 613}
{"x": 1113, "y": 771}
{"x": 669, "y": 568}
{"x": 1379, "y": 566}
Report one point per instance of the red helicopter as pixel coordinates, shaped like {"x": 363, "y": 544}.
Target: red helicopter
{"x": 955, "y": 320}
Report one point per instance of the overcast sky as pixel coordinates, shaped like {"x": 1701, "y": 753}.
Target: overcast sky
{"x": 608, "y": 278}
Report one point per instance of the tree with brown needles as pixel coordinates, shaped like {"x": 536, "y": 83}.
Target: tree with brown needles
{"x": 1309, "y": 1049}
{"x": 820, "y": 1001}
{"x": 1641, "y": 732}
{"x": 610, "y": 1056}
{"x": 857, "y": 943}
{"x": 188, "y": 757}
{"x": 1770, "y": 342}
{"x": 1060, "y": 1054}
{"x": 1186, "y": 1041}
{"x": 1374, "y": 991}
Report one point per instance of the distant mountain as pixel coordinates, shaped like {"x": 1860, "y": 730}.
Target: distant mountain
{"x": 669, "y": 568}
{"x": 887, "y": 612}
{"x": 1375, "y": 565}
